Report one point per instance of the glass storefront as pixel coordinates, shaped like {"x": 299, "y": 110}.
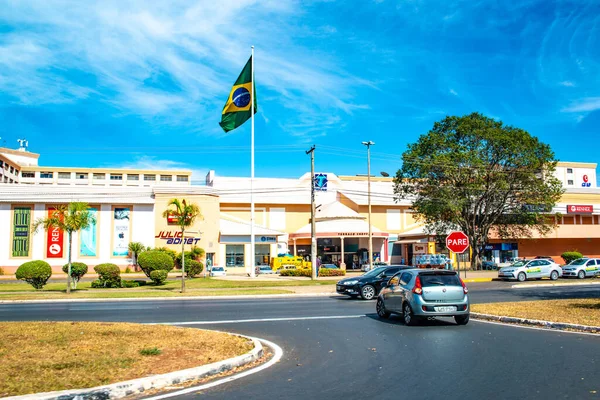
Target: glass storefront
{"x": 262, "y": 254}
{"x": 234, "y": 255}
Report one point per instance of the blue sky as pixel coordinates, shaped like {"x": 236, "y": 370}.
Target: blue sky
{"x": 142, "y": 84}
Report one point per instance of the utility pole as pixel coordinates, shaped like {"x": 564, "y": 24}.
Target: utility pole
{"x": 369, "y": 144}
{"x": 313, "y": 239}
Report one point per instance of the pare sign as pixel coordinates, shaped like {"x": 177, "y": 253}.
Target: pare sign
{"x": 175, "y": 237}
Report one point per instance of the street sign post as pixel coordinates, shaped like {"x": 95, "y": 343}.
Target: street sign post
{"x": 457, "y": 242}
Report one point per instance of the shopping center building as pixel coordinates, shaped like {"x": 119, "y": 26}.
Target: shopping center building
{"x": 128, "y": 206}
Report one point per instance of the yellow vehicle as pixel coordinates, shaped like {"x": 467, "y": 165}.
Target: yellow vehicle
{"x": 289, "y": 262}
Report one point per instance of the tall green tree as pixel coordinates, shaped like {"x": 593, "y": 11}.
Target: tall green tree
{"x": 68, "y": 218}
{"x": 185, "y": 215}
{"x": 476, "y": 174}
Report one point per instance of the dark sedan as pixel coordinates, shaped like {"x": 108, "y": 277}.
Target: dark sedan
{"x": 368, "y": 285}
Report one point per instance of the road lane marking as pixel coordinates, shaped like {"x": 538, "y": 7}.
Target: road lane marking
{"x": 241, "y": 321}
{"x": 278, "y": 353}
{"x": 534, "y": 327}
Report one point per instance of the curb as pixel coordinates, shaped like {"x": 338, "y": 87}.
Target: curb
{"x": 534, "y": 285}
{"x": 118, "y": 299}
{"x": 535, "y": 322}
{"x": 471, "y": 280}
{"x": 140, "y": 385}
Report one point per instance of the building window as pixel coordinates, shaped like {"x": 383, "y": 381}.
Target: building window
{"x": 166, "y": 178}
{"x": 81, "y": 175}
{"x": 116, "y": 177}
{"x": 570, "y": 182}
{"x": 149, "y": 177}
{"x": 133, "y": 177}
{"x": 12, "y": 170}
{"x": 99, "y": 176}
{"x": 45, "y": 174}
{"x": 28, "y": 174}
{"x": 262, "y": 254}
{"x": 569, "y": 170}
{"x": 182, "y": 178}
{"x": 234, "y": 255}
{"x": 64, "y": 175}
{"x": 1, "y": 163}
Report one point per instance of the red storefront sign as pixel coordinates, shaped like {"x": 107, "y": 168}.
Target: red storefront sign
{"x": 54, "y": 246}
{"x": 574, "y": 209}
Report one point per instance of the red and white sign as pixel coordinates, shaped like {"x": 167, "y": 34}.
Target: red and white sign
{"x": 574, "y": 209}
{"x": 457, "y": 242}
{"x": 54, "y": 247}
{"x": 585, "y": 178}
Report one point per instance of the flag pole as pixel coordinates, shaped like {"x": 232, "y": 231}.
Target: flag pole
{"x": 252, "y": 241}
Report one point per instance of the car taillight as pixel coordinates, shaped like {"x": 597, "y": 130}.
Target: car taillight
{"x": 465, "y": 290}
{"x": 418, "y": 289}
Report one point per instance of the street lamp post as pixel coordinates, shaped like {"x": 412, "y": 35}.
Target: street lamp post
{"x": 369, "y": 144}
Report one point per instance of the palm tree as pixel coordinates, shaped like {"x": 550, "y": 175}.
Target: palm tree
{"x": 68, "y": 218}
{"x": 135, "y": 248}
{"x": 185, "y": 214}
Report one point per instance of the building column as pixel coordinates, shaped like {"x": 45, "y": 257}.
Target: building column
{"x": 295, "y": 251}
{"x": 343, "y": 263}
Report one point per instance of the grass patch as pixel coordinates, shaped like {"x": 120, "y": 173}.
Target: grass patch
{"x": 573, "y": 311}
{"x": 47, "y": 356}
{"x": 152, "y": 351}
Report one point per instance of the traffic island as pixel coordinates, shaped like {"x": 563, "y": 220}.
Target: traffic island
{"x": 573, "y": 314}
{"x": 48, "y": 360}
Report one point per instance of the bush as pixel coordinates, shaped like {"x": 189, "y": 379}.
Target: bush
{"x": 159, "y": 276}
{"x": 166, "y": 250}
{"x": 140, "y": 282}
{"x": 297, "y": 272}
{"x": 193, "y": 268}
{"x": 331, "y": 272}
{"x": 129, "y": 284}
{"x": 78, "y": 270}
{"x": 155, "y": 260}
{"x": 109, "y": 275}
{"x": 569, "y": 256}
{"x": 36, "y": 273}
{"x": 1, "y": 271}
{"x": 128, "y": 270}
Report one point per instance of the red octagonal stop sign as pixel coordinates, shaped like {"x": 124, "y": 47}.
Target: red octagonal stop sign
{"x": 457, "y": 242}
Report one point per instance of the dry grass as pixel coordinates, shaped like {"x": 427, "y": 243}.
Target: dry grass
{"x": 47, "y": 356}
{"x": 574, "y": 311}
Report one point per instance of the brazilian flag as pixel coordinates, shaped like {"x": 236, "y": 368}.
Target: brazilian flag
{"x": 237, "y": 109}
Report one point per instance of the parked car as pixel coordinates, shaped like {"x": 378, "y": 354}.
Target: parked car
{"x": 329, "y": 266}
{"x": 218, "y": 271}
{"x": 544, "y": 258}
{"x": 368, "y": 285}
{"x": 489, "y": 265}
{"x": 264, "y": 269}
{"x": 581, "y": 268}
{"x": 424, "y": 293}
{"x": 367, "y": 267}
{"x": 532, "y": 269}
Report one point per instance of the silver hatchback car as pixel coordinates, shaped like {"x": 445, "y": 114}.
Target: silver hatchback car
{"x": 416, "y": 294}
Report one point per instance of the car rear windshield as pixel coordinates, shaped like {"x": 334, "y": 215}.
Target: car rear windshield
{"x": 439, "y": 280}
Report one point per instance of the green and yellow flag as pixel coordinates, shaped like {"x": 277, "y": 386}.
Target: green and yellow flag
{"x": 237, "y": 109}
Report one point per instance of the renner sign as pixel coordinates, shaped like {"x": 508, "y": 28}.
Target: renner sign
{"x": 54, "y": 246}
{"x": 457, "y": 242}
{"x": 573, "y": 209}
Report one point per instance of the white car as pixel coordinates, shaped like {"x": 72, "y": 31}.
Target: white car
{"x": 218, "y": 271}
{"x": 581, "y": 268}
{"x": 533, "y": 269}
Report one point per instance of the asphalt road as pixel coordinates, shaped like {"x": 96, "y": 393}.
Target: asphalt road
{"x": 356, "y": 355}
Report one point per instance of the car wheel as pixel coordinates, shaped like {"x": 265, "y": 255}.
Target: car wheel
{"x": 521, "y": 277}
{"x": 367, "y": 292}
{"x": 581, "y": 274}
{"x": 381, "y": 311}
{"x": 408, "y": 315}
{"x": 461, "y": 319}
{"x": 554, "y": 275}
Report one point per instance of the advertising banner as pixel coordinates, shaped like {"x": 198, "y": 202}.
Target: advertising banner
{"x": 121, "y": 232}
{"x": 21, "y": 225}
{"x": 88, "y": 237}
{"x": 55, "y": 242}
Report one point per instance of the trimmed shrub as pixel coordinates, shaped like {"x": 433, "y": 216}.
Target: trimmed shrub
{"x": 129, "y": 284}
{"x": 96, "y": 284}
{"x": 155, "y": 260}
{"x": 36, "y": 273}
{"x": 159, "y": 276}
{"x": 193, "y": 268}
{"x": 109, "y": 275}
{"x": 140, "y": 282}
{"x": 569, "y": 256}
{"x": 78, "y": 270}
{"x": 297, "y": 272}
{"x": 166, "y": 250}
{"x": 331, "y": 272}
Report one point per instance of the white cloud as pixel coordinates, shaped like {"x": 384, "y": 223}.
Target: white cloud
{"x": 453, "y": 92}
{"x": 585, "y": 104}
{"x": 567, "y": 83}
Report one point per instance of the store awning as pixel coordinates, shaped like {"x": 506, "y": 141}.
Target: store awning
{"x": 339, "y": 228}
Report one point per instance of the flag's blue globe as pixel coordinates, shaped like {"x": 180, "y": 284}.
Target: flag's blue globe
{"x": 241, "y": 97}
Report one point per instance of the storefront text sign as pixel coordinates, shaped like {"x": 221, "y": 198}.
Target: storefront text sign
{"x": 579, "y": 209}
{"x": 174, "y": 237}
{"x": 54, "y": 246}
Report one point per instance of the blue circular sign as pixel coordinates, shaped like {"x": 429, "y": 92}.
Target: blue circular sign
{"x": 241, "y": 97}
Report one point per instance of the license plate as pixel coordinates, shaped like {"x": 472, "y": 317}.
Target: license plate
{"x": 445, "y": 309}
